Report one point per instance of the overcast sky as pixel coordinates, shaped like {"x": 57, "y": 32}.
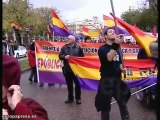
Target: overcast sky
{"x": 85, "y": 9}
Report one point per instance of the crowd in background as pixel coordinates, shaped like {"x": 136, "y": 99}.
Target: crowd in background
{"x": 9, "y": 45}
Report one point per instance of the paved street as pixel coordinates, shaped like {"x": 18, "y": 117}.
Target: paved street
{"x": 52, "y": 98}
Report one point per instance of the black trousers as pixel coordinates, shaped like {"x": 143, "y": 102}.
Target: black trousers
{"x": 33, "y": 73}
{"x": 108, "y": 88}
{"x": 70, "y": 78}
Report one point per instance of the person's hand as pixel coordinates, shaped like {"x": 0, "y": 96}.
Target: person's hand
{"x": 124, "y": 70}
{"x": 4, "y": 114}
{"x": 14, "y": 96}
{"x": 117, "y": 39}
{"x": 67, "y": 56}
{"x": 152, "y": 71}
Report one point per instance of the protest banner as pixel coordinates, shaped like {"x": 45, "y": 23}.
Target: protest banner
{"x": 49, "y": 67}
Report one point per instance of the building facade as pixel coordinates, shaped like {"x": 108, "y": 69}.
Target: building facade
{"x": 76, "y": 26}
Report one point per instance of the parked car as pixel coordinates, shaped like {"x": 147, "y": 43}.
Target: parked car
{"x": 20, "y": 51}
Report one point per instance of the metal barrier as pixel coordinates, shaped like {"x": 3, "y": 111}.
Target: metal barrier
{"x": 137, "y": 91}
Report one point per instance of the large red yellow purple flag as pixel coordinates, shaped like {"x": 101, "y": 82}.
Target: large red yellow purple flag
{"x": 141, "y": 37}
{"x": 109, "y": 22}
{"x": 86, "y": 69}
{"x": 58, "y": 28}
{"x": 88, "y": 75}
{"x": 85, "y": 31}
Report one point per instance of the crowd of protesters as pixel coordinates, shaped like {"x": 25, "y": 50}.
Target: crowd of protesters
{"x": 110, "y": 84}
{"x": 8, "y": 46}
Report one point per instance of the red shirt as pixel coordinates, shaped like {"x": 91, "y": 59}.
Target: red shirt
{"x": 31, "y": 58}
{"x": 27, "y": 109}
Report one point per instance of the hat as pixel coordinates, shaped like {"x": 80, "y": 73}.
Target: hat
{"x": 71, "y": 37}
{"x": 11, "y": 71}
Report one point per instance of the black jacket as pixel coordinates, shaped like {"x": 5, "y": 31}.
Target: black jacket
{"x": 76, "y": 50}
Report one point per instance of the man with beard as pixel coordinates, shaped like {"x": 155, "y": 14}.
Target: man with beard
{"x": 111, "y": 84}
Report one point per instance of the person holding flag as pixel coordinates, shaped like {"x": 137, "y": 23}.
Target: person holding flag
{"x": 111, "y": 84}
{"x": 68, "y": 50}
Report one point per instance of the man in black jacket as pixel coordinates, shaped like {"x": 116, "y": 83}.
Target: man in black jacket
{"x": 111, "y": 84}
{"x": 71, "y": 49}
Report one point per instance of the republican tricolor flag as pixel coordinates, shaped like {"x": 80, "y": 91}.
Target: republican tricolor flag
{"x": 85, "y": 31}
{"x": 58, "y": 28}
{"x": 87, "y": 72}
{"x": 141, "y": 37}
{"x": 109, "y": 22}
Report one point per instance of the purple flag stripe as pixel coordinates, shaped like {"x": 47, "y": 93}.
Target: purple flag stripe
{"x": 51, "y": 77}
{"x": 90, "y": 84}
{"x": 60, "y": 32}
{"x": 142, "y": 82}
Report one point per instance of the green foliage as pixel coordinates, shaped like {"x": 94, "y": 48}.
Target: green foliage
{"x": 14, "y": 10}
{"x": 145, "y": 18}
{"x": 131, "y": 16}
{"x": 23, "y": 13}
{"x": 24, "y": 64}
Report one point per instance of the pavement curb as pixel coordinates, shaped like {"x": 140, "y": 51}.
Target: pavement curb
{"x": 25, "y": 70}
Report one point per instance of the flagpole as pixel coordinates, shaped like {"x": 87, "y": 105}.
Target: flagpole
{"x": 113, "y": 14}
{"x": 14, "y": 35}
{"x": 48, "y": 37}
{"x": 53, "y": 36}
